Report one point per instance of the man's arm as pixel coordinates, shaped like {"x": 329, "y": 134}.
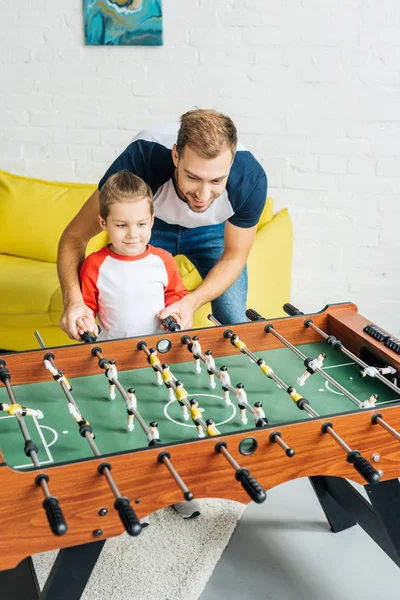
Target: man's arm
{"x": 238, "y": 243}
{"x": 71, "y": 254}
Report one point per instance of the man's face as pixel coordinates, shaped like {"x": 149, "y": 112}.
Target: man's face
{"x": 201, "y": 180}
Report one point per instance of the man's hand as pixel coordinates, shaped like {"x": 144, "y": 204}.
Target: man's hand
{"x": 182, "y": 310}
{"x": 78, "y": 318}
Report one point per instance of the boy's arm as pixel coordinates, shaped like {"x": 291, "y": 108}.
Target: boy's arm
{"x": 71, "y": 254}
{"x": 175, "y": 289}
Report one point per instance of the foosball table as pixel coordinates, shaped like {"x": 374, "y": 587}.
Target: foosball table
{"x": 96, "y": 436}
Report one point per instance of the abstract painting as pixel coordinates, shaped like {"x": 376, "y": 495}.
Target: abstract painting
{"x": 123, "y": 22}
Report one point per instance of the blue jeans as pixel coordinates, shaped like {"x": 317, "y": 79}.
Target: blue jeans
{"x": 204, "y": 246}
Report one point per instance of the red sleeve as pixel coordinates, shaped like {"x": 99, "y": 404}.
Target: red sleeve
{"x": 175, "y": 289}
{"x": 88, "y": 276}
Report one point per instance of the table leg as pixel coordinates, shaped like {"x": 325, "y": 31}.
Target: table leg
{"x": 20, "y": 582}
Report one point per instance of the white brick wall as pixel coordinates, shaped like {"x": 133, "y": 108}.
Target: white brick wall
{"x": 313, "y": 85}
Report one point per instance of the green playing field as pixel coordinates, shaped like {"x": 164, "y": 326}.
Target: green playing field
{"x": 57, "y": 433}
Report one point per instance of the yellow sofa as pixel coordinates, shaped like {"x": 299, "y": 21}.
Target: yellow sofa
{"x": 33, "y": 214}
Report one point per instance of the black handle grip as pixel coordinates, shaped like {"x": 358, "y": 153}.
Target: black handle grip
{"x": 88, "y": 337}
{"x": 291, "y": 310}
{"x": 128, "y": 516}
{"x": 251, "y": 485}
{"x": 55, "y": 516}
{"x": 366, "y": 470}
{"x": 253, "y": 315}
{"x": 171, "y": 323}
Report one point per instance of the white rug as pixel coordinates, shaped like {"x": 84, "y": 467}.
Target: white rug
{"x": 172, "y": 559}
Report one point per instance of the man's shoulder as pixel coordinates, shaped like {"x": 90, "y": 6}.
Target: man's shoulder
{"x": 164, "y": 135}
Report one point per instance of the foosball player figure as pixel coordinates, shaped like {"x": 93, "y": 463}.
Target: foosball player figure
{"x": 84, "y": 426}
{"x": 374, "y": 371}
{"x": 57, "y": 375}
{"x": 260, "y": 418}
{"x": 112, "y": 373}
{"x": 266, "y": 369}
{"x": 370, "y": 403}
{"x": 182, "y": 395}
{"x": 195, "y": 348}
{"x": 131, "y": 405}
{"x": 311, "y": 365}
{"x": 210, "y": 364}
{"x": 154, "y": 436}
{"x": 167, "y": 378}
{"x": 153, "y": 360}
{"x": 211, "y": 428}
{"x": 15, "y": 408}
{"x": 225, "y": 381}
{"x": 195, "y": 413}
{"x": 241, "y": 398}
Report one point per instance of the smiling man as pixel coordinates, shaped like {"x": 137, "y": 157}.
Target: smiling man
{"x": 209, "y": 193}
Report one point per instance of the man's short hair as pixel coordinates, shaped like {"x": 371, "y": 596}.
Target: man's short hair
{"x": 123, "y": 186}
{"x": 207, "y": 132}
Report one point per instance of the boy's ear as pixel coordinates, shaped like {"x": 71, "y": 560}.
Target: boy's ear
{"x": 102, "y": 222}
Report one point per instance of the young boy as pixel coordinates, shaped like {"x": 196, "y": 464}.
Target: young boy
{"x": 129, "y": 282}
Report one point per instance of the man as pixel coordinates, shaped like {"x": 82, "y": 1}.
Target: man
{"x": 209, "y": 193}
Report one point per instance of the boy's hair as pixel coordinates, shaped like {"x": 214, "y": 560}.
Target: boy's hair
{"x": 207, "y": 132}
{"x": 123, "y": 186}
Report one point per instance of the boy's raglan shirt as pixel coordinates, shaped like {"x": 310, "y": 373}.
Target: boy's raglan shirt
{"x": 127, "y": 292}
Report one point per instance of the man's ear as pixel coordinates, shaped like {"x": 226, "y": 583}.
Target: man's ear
{"x": 102, "y": 223}
{"x": 175, "y": 156}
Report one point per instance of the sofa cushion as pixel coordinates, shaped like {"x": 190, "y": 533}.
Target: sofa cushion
{"x": 34, "y": 213}
{"x": 27, "y": 287}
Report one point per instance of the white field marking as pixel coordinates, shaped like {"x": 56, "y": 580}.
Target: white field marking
{"x": 45, "y": 445}
{"x": 331, "y": 390}
{"x": 55, "y": 434}
{"x": 43, "y": 462}
{"x": 199, "y": 395}
{"x": 65, "y": 432}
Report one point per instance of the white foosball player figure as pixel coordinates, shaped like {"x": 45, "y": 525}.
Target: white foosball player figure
{"x": 225, "y": 381}
{"x": 112, "y": 374}
{"x": 197, "y": 418}
{"x": 195, "y": 348}
{"x": 154, "y": 361}
{"x": 312, "y": 365}
{"x": 182, "y": 397}
{"x": 374, "y": 371}
{"x": 153, "y": 435}
{"x": 168, "y": 379}
{"x": 370, "y": 403}
{"x": 259, "y": 417}
{"x": 241, "y": 398}
{"x": 210, "y": 364}
{"x": 131, "y": 405}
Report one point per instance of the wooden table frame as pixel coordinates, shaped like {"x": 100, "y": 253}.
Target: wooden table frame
{"x": 82, "y": 491}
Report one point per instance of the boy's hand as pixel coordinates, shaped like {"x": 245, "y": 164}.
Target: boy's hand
{"x": 182, "y": 311}
{"x": 76, "y": 319}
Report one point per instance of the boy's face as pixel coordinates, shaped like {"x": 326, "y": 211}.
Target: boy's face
{"x": 129, "y": 227}
{"x": 200, "y": 180}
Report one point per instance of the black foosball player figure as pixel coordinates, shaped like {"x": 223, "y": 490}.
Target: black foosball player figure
{"x": 168, "y": 378}
{"x": 153, "y": 360}
{"x": 210, "y": 364}
{"x": 211, "y": 428}
{"x": 111, "y": 374}
{"x": 370, "y": 403}
{"x": 14, "y": 408}
{"x": 195, "y": 413}
{"x": 259, "y": 417}
{"x": 241, "y": 397}
{"x": 311, "y": 366}
{"x": 154, "y": 436}
{"x": 131, "y": 405}
{"x": 195, "y": 348}
{"x": 182, "y": 396}
{"x": 225, "y": 381}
